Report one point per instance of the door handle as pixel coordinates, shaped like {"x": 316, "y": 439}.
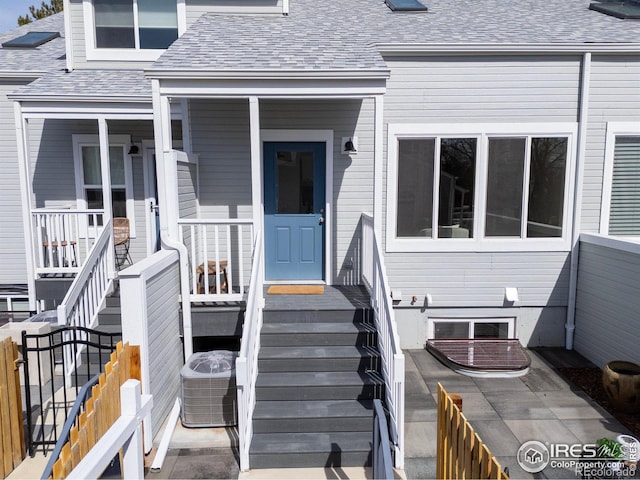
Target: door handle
{"x": 321, "y": 220}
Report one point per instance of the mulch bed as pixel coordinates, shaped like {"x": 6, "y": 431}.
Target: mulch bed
{"x": 590, "y": 381}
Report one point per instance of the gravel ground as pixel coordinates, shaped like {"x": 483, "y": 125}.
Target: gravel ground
{"x": 590, "y": 381}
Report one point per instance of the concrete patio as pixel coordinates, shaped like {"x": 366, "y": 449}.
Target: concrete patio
{"x": 505, "y": 412}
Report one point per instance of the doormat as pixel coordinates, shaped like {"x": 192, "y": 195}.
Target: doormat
{"x": 296, "y": 290}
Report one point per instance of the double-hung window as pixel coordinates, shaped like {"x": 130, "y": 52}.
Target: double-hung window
{"x": 89, "y": 181}
{"x": 475, "y": 188}
{"x": 130, "y": 29}
{"x": 621, "y": 186}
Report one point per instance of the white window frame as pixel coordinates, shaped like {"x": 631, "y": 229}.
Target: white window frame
{"x": 472, "y": 321}
{"x": 123, "y": 141}
{"x": 124, "y": 54}
{"x": 478, "y": 242}
{"x": 614, "y": 130}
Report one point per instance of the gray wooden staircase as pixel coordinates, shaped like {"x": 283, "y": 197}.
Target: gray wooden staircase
{"x": 318, "y": 374}
{"x": 93, "y": 359}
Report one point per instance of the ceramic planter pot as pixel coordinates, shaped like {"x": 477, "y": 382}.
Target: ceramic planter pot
{"x": 621, "y": 382}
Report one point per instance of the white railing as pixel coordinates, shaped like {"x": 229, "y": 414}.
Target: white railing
{"x": 226, "y": 242}
{"x": 88, "y": 292}
{"x": 63, "y": 238}
{"x": 124, "y": 437}
{"x": 374, "y": 277}
{"x": 247, "y": 361}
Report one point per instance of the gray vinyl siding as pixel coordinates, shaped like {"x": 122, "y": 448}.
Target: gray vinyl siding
{"x": 12, "y": 254}
{"x": 165, "y": 346}
{"x": 436, "y": 90}
{"x": 188, "y": 190}
{"x": 478, "y": 279}
{"x": 352, "y": 174}
{"x": 614, "y": 97}
{"x": 52, "y": 167}
{"x": 482, "y": 89}
{"x": 607, "y": 304}
{"x": 220, "y": 137}
{"x": 220, "y": 131}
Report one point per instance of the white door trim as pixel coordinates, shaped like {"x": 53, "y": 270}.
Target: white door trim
{"x": 325, "y": 136}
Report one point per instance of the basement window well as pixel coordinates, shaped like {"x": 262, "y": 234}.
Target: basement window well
{"x": 405, "y": 6}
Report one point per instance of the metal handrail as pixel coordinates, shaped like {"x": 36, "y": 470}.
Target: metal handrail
{"x": 382, "y": 463}
{"x": 83, "y": 395}
{"x": 45, "y": 345}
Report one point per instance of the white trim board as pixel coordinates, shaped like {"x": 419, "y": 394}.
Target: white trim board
{"x": 614, "y": 129}
{"x": 80, "y": 140}
{"x": 482, "y": 132}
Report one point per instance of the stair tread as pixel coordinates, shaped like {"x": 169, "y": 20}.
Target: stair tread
{"x": 327, "y": 327}
{"x": 274, "y": 443}
{"x": 312, "y": 409}
{"x": 298, "y": 352}
{"x": 317, "y": 379}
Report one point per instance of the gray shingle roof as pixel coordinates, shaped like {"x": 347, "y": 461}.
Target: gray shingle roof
{"x": 272, "y": 42}
{"x": 90, "y": 85}
{"x": 333, "y": 34}
{"x": 325, "y": 36}
{"x": 47, "y": 57}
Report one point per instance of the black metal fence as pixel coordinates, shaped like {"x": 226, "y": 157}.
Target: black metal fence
{"x": 50, "y": 395}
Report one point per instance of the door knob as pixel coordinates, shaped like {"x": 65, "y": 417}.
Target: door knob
{"x": 321, "y": 220}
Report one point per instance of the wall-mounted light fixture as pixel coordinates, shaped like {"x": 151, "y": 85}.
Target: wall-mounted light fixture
{"x": 134, "y": 149}
{"x": 349, "y": 145}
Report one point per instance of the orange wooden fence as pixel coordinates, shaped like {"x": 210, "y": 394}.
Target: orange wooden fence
{"x": 460, "y": 451}
{"x": 12, "y": 447}
{"x": 101, "y": 410}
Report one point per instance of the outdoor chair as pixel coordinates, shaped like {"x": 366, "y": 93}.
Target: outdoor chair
{"x": 121, "y": 241}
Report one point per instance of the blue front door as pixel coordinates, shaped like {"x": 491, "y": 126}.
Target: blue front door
{"x": 294, "y": 203}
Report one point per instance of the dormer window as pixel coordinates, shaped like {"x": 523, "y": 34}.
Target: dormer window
{"x": 136, "y": 24}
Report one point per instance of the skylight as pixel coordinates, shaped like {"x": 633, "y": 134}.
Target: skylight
{"x": 405, "y": 6}
{"x": 624, "y": 9}
{"x": 31, "y": 40}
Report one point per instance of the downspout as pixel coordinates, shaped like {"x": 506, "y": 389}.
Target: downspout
{"x": 585, "y": 79}
{"x": 168, "y": 199}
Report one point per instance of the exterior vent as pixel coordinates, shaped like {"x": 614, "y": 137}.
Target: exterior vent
{"x": 625, "y": 10}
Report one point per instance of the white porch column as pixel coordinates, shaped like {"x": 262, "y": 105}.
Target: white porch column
{"x": 256, "y": 162}
{"x": 26, "y": 194}
{"x": 167, "y": 195}
{"x": 378, "y": 160}
{"x": 105, "y": 168}
{"x": 186, "y": 126}
{"x": 167, "y": 176}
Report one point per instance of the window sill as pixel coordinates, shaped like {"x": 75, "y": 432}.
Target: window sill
{"x": 406, "y": 245}
{"x": 123, "y": 54}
